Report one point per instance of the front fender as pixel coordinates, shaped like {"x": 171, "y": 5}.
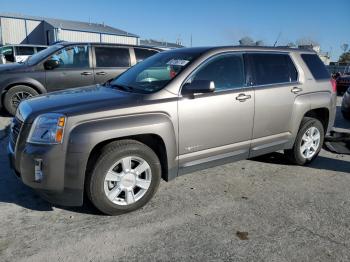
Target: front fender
{"x": 24, "y": 81}
{"x": 83, "y": 137}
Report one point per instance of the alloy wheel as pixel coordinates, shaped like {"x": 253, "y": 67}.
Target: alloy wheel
{"x": 18, "y": 97}
{"x": 128, "y": 180}
{"x": 310, "y": 142}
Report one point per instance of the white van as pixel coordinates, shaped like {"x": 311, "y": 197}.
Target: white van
{"x": 18, "y": 53}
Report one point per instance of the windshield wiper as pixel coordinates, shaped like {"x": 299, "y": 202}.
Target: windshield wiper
{"x": 122, "y": 87}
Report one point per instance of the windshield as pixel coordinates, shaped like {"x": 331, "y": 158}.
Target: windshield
{"x": 6, "y": 50}
{"x": 36, "y": 58}
{"x": 155, "y": 72}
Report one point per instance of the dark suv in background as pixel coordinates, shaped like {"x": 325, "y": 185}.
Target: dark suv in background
{"x": 66, "y": 65}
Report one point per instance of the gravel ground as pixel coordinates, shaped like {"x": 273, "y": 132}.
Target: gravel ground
{"x": 253, "y": 210}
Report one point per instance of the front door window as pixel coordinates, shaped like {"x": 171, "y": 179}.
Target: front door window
{"x": 73, "y": 57}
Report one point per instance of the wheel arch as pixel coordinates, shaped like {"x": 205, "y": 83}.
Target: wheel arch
{"x": 321, "y": 114}
{"x": 153, "y": 141}
{"x": 32, "y": 83}
{"x": 86, "y": 139}
{"x": 316, "y": 105}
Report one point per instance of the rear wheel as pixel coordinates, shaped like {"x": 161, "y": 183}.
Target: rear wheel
{"x": 125, "y": 177}
{"x": 15, "y": 95}
{"x": 308, "y": 142}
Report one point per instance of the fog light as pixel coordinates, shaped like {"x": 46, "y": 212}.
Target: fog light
{"x": 38, "y": 170}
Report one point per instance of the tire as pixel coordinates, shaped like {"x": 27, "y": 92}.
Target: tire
{"x": 100, "y": 190}
{"x": 15, "y": 95}
{"x": 295, "y": 155}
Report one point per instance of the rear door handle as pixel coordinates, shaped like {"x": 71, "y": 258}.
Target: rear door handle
{"x": 101, "y": 73}
{"x": 296, "y": 90}
{"x": 243, "y": 97}
{"x": 86, "y": 73}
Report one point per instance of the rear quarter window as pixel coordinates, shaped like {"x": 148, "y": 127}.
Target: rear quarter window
{"x": 316, "y": 66}
{"x": 24, "y": 50}
{"x": 142, "y": 54}
{"x": 269, "y": 68}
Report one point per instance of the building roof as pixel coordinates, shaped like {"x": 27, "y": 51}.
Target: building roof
{"x": 155, "y": 43}
{"x": 73, "y": 25}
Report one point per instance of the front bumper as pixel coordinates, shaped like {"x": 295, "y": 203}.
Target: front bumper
{"x": 60, "y": 184}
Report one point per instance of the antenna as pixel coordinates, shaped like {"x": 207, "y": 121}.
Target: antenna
{"x": 278, "y": 37}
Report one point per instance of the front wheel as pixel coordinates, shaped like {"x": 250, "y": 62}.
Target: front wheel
{"x": 15, "y": 95}
{"x": 125, "y": 177}
{"x": 308, "y": 142}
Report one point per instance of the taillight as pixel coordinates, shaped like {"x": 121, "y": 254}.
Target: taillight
{"x": 172, "y": 73}
{"x": 334, "y": 85}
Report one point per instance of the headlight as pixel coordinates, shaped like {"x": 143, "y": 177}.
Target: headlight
{"x": 47, "y": 129}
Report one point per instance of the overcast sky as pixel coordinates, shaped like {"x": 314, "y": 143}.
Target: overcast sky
{"x": 217, "y": 22}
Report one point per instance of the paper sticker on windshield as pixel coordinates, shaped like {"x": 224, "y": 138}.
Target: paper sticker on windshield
{"x": 177, "y": 62}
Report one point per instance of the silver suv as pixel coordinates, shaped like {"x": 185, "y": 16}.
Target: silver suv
{"x": 175, "y": 112}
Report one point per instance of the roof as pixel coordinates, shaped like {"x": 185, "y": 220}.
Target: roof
{"x": 25, "y": 45}
{"x": 247, "y": 48}
{"x": 66, "y": 43}
{"x": 155, "y": 43}
{"x": 73, "y": 25}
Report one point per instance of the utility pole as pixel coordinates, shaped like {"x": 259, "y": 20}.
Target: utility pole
{"x": 191, "y": 39}
{"x": 278, "y": 37}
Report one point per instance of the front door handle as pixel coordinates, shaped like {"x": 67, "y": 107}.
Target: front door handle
{"x": 296, "y": 90}
{"x": 101, "y": 73}
{"x": 243, "y": 97}
{"x": 86, "y": 73}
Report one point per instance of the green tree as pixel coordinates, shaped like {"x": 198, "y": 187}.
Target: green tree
{"x": 344, "y": 58}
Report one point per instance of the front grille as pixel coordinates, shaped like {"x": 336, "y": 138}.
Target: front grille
{"x": 15, "y": 129}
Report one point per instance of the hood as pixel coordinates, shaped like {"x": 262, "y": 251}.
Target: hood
{"x": 12, "y": 67}
{"x": 76, "y": 101}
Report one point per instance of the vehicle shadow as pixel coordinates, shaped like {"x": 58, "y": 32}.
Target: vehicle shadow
{"x": 12, "y": 190}
{"x": 3, "y": 113}
{"x": 340, "y": 121}
{"x": 320, "y": 162}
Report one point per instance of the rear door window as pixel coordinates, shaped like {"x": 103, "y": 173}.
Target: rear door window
{"x": 112, "y": 57}
{"x": 141, "y": 54}
{"x": 24, "y": 50}
{"x": 316, "y": 66}
{"x": 272, "y": 68}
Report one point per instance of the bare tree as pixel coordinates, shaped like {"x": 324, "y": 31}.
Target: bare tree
{"x": 246, "y": 41}
{"x": 344, "y": 47}
{"x": 291, "y": 44}
{"x": 259, "y": 43}
{"x": 306, "y": 41}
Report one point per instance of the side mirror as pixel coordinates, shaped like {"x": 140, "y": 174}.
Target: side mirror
{"x": 199, "y": 86}
{"x": 51, "y": 64}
